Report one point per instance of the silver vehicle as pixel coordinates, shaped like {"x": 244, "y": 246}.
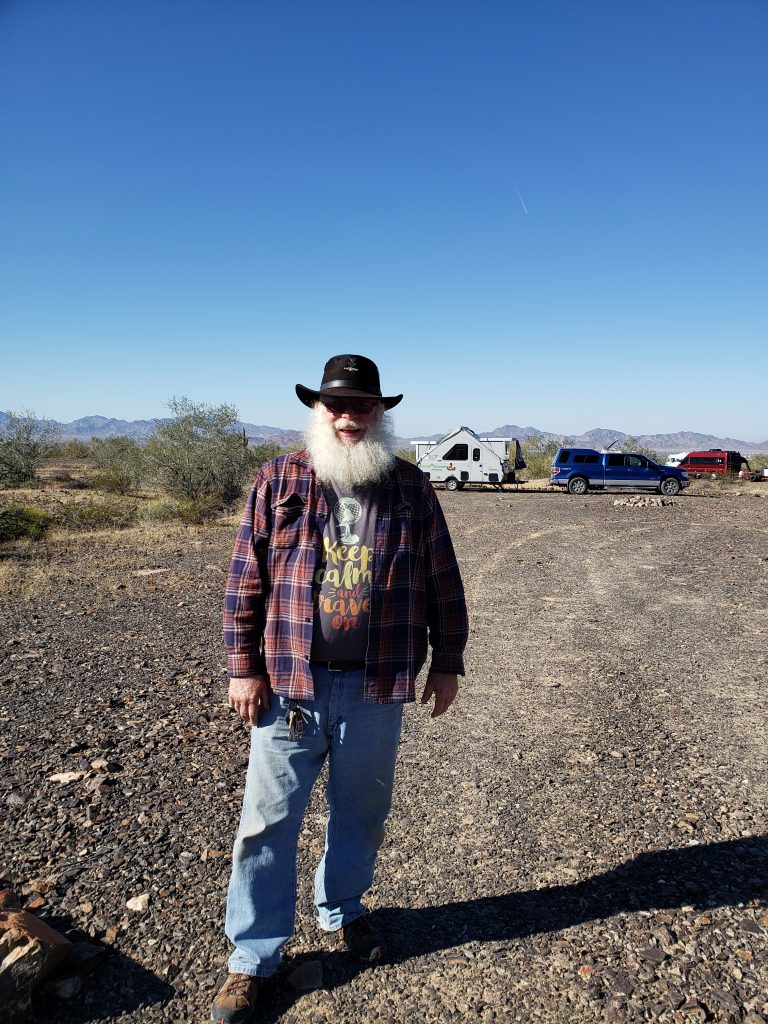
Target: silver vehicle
{"x": 462, "y": 457}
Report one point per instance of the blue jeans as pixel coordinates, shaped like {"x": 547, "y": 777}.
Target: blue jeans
{"x": 360, "y": 740}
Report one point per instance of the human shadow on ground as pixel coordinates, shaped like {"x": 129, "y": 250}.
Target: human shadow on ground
{"x": 706, "y": 876}
{"x": 109, "y": 986}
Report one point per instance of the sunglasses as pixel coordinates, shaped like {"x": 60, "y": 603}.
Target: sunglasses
{"x": 354, "y": 405}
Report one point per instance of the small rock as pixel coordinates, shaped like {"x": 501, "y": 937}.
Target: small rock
{"x": 85, "y": 957}
{"x": 9, "y": 900}
{"x": 752, "y": 927}
{"x": 30, "y": 950}
{"x": 208, "y": 854}
{"x": 725, "y": 999}
{"x": 691, "y": 1011}
{"x": 138, "y": 903}
{"x": 64, "y": 778}
{"x": 653, "y": 953}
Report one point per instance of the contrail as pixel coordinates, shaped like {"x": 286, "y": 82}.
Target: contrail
{"x": 525, "y": 210}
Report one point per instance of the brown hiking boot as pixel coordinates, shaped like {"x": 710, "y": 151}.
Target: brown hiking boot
{"x": 236, "y": 999}
{"x": 362, "y": 940}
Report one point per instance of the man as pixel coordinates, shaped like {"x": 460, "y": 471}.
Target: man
{"x": 343, "y": 574}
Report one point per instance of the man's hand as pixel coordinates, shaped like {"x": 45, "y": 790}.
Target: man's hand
{"x": 247, "y": 695}
{"x": 445, "y": 686}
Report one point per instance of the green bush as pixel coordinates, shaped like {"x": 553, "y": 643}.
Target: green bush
{"x": 120, "y": 463}
{"x": 91, "y": 514}
{"x": 19, "y": 522}
{"x": 538, "y": 454}
{"x": 261, "y": 453}
{"x": 25, "y": 441}
{"x": 159, "y": 512}
{"x": 200, "y": 453}
{"x": 72, "y": 449}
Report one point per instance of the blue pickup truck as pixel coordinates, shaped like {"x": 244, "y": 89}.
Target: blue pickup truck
{"x": 579, "y": 469}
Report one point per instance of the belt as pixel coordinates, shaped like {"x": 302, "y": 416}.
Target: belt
{"x": 339, "y": 665}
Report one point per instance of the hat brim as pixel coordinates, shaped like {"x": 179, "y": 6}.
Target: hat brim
{"x": 308, "y": 397}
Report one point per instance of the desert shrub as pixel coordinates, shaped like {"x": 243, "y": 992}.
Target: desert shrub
{"x": 538, "y": 454}
{"x": 409, "y": 454}
{"x": 631, "y": 444}
{"x": 120, "y": 463}
{"x": 25, "y": 441}
{"x": 23, "y": 521}
{"x": 71, "y": 449}
{"x": 200, "y": 453}
{"x": 202, "y": 509}
{"x": 109, "y": 513}
{"x": 261, "y": 453}
{"x": 159, "y": 512}
{"x": 758, "y": 462}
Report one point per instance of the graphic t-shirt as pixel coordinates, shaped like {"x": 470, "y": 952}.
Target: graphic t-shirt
{"x": 342, "y": 591}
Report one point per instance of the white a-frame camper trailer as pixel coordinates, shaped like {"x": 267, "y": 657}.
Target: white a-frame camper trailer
{"x": 461, "y": 457}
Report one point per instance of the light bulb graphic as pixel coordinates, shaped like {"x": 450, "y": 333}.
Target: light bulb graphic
{"x": 347, "y": 511}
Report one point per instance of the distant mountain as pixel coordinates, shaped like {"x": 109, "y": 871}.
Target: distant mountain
{"x": 601, "y": 437}
{"x": 101, "y": 426}
{"x": 86, "y": 427}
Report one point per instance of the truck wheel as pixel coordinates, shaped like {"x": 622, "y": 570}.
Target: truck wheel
{"x": 577, "y": 485}
{"x": 669, "y": 486}
{"x": 451, "y": 484}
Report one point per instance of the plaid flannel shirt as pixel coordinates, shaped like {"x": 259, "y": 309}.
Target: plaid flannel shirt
{"x": 417, "y": 597}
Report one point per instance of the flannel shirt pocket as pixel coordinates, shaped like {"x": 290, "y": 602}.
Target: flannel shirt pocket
{"x": 290, "y": 523}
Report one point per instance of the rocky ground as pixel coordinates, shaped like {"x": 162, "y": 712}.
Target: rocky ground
{"x": 582, "y": 837}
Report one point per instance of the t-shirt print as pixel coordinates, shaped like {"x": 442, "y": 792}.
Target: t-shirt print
{"x": 342, "y": 591}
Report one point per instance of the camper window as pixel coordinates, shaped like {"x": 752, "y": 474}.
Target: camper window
{"x": 459, "y": 452}
{"x": 475, "y": 454}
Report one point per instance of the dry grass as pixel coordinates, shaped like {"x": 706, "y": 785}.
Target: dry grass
{"x": 108, "y": 561}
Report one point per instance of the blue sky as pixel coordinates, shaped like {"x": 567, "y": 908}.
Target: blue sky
{"x": 548, "y": 213}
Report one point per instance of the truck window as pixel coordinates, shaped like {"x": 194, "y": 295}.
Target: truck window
{"x": 475, "y": 454}
{"x": 592, "y": 459}
{"x": 563, "y": 457}
{"x": 459, "y": 452}
{"x": 636, "y": 460}
{"x": 615, "y": 460}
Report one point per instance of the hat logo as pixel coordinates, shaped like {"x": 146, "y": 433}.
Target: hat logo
{"x": 351, "y": 364}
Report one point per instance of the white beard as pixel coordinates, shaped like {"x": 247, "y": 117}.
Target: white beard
{"x": 356, "y": 465}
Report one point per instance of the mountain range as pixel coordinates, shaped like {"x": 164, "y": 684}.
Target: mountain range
{"x": 86, "y": 427}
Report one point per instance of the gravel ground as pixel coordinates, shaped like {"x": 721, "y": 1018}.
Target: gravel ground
{"x": 582, "y": 837}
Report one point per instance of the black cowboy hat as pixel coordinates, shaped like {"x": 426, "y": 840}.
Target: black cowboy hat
{"x": 348, "y": 377}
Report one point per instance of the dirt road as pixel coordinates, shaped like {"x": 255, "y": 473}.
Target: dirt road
{"x": 582, "y": 837}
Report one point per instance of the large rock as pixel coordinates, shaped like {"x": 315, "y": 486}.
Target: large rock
{"x": 29, "y": 950}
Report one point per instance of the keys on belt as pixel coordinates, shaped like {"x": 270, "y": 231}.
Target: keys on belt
{"x": 295, "y": 722}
